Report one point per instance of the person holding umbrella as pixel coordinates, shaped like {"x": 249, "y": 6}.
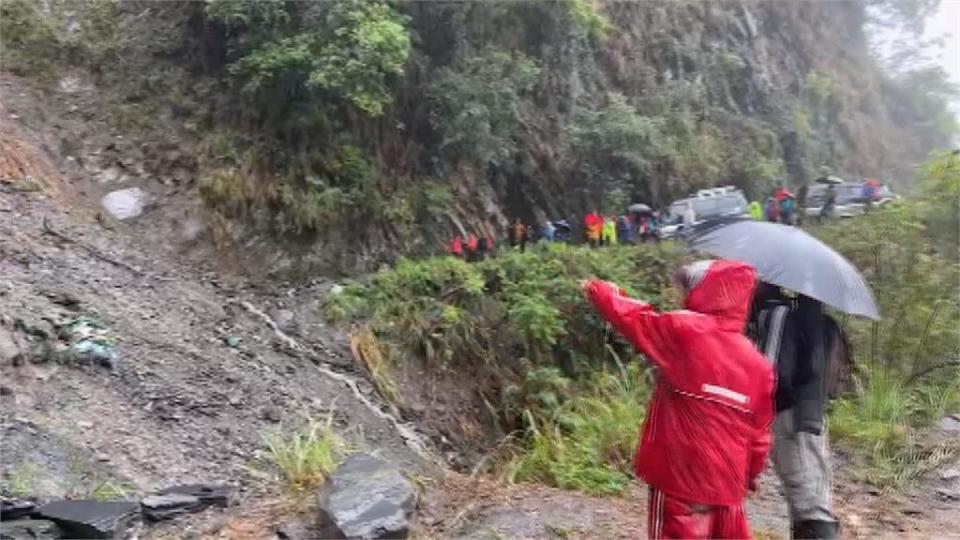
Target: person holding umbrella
{"x": 791, "y": 331}
{"x": 624, "y": 230}
{"x": 795, "y": 334}
{"x": 829, "y": 202}
{"x": 706, "y": 435}
{"x": 562, "y": 230}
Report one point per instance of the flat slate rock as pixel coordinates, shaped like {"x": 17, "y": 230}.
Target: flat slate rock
{"x": 220, "y": 495}
{"x": 366, "y": 497}
{"x": 160, "y": 507}
{"x": 29, "y": 529}
{"x": 11, "y": 509}
{"x": 90, "y": 519}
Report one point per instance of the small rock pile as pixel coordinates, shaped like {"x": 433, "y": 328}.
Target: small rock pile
{"x": 23, "y": 519}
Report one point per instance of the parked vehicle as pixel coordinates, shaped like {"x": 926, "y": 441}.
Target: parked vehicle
{"x": 886, "y": 196}
{"x": 849, "y": 202}
{"x": 707, "y": 204}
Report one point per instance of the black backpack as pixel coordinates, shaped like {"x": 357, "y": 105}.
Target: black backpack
{"x": 841, "y": 368}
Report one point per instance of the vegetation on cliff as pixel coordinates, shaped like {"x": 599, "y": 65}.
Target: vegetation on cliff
{"x": 395, "y": 123}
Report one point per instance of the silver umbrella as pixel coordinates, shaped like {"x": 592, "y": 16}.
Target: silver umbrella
{"x": 789, "y": 257}
{"x": 639, "y": 208}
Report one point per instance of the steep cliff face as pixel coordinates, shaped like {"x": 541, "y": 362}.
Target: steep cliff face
{"x": 353, "y": 132}
{"x": 790, "y": 86}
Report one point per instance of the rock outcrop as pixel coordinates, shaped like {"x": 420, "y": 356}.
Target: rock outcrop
{"x": 366, "y": 497}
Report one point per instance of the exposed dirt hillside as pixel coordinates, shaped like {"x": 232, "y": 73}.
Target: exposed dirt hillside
{"x": 205, "y": 366}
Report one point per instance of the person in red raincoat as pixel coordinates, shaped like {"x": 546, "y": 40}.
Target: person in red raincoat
{"x": 473, "y": 245}
{"x": 707, "y": 431}
{"x": 456, "y": 246}
{"x": 594, "y": 228}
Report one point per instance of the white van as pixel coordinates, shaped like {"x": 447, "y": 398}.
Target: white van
{"x": 707, "y": 204}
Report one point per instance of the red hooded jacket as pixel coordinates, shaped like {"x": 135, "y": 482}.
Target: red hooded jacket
{"x": 456, "y": 246}
{"x": 706, "y": 435}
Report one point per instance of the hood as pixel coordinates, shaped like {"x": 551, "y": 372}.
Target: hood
{"x": 721, "y": 288}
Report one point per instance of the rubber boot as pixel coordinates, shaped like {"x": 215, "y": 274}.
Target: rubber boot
{"x": 815, "y": 530}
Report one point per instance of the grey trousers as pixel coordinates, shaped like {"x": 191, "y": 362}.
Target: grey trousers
{"x": 802, "y": 462}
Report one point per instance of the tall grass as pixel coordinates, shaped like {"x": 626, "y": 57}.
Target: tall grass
{"x": 908, "y": 254}
{"x": 885, "y": 426}
{"x": 303, "y": 460}
{"x": 590, "y": 442}
{"x": 375, "y": 357}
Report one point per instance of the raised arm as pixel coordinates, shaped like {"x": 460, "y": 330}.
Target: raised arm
{"x": 650, "y": 332}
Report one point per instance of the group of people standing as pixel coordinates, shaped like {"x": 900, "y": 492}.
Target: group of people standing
{"x": 597, "y": 231}
{"x": 781, "y": 208}
{"x": 623, "y": 229}
{"x": 743, "y": 368}
{"x": 472, "y": 248}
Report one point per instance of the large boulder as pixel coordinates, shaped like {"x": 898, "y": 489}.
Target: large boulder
{"x": 366, "y": 498}
{"x": 125, "y": 203}
{"x": 91, "y": 519}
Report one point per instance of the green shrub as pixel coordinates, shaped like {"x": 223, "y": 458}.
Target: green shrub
{"x": 521, "y": 316}
{"x": 30, "y": 42}
{"x": 817, "y": 88}
{"x": 910, "y": 365}
{"x": 916, "y": 286}
{"x": 588, "y": 444}
{"x": 588, "y": 20}
{"x": 476, "y": 107}
{"x": 615, "y": 143}
{"x": 671, "y": 148}
{"x": 940, "y": 182}
{"x": 527, "y": 302}
{"x": 304, "y": 75}
{"x": 293, "y": 57}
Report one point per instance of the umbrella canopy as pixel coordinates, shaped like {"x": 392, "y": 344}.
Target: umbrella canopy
{"x": 639, "y": 208}
{"x": 562, "y": 224}
{"x": 789, "y": 257}
{"x": 830, "y": 180}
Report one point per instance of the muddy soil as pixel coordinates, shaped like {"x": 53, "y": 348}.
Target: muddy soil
{"x": 477, "y": 508}
{"x": 182, "y": 403}
{"x": 207, "y": 364}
